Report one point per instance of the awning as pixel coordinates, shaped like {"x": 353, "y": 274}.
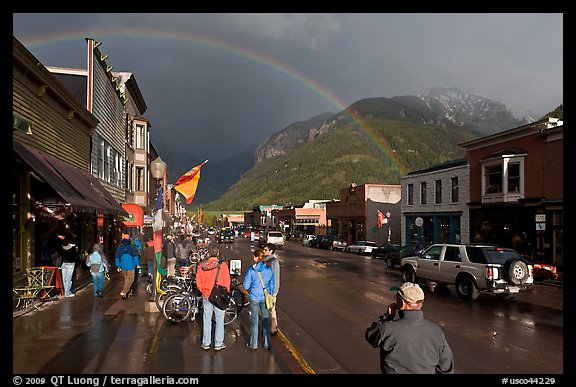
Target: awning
{"x": 135, "y": 215}
{"x": 77, "y": 187}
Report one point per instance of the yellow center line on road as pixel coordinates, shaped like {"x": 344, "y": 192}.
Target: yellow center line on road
{"x": 299, "y": 359}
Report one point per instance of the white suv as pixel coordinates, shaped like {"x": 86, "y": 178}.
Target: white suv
{"x": 275, "y": 237}
{"x": 471, "y": 268}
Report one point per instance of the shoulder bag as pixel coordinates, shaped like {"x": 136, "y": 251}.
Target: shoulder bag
{"x": 219, "y": 296}
{"x": 269, "y": 297}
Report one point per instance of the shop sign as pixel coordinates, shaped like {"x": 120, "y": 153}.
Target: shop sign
{"x": 52, "y": 209}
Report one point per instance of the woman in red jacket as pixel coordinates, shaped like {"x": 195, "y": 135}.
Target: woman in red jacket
{"x": 205, "y": 279}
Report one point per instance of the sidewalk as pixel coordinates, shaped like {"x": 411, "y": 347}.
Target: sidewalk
{"x": 89, "y": 335}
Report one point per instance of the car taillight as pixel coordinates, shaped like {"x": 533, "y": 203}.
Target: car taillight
{"x": 492, "y": 273}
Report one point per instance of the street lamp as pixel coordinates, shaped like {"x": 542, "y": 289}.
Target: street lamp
{"x": 158, "y": 170}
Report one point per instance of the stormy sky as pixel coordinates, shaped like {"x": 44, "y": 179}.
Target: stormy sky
{"x": 216, "y": 84}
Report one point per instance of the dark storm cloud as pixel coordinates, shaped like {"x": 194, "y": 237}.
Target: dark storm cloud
{"x": 216, "y": 84}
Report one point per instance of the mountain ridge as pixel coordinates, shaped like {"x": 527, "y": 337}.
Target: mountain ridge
{"x": 448, "y": 112}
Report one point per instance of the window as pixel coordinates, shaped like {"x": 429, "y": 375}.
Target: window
{"x": 438, "y": 192}
{"x": 101, "y": 160}
{"x": 452, "y": 254}
{"x": 454, "y": 190}
{"x": 139, "y": 179}
{"x": 140, "y": 136}
{"x": 423, "y": 192}
{"x": 493, "y": 179}
{"x": 410, "y": 194}
{"x": 117, "y": 174}
{"x": 503, "y": 177}
{"x": 513, "y": 177}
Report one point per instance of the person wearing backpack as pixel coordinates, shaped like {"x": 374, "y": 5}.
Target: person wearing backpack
{"x": 98, "y": 265}
{"x": 127, "y": 261}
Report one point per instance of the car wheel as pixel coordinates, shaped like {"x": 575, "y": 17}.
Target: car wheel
{"x": 516, "y": 271}
{"x": 389, "y": 263}
{"x": 407, "y": 274}
{"x": 466, "y": 288}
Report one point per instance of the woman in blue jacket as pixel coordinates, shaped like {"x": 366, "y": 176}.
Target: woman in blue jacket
{"x": 257, "y": 299}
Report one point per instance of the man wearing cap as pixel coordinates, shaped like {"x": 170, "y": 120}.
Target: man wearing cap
{"x": 410, "y": 344}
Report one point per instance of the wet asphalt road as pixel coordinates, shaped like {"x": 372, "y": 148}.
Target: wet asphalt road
{"x": 326, "y": 301}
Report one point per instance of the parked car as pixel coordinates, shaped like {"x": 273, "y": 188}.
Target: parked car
{"x": 225, "y": 236}
{"x": 542, "y": 271}
{"x": 332, "y": 242}
{"x": 389, "y": 252}
{"x": 394, "y": 257}
{"x": 362, "y": 247}
{"x": 275, "y": 237}
{"x": 314, "y": 242}
{"x": 472, "y": 268}
{"x": 306, "y": 240}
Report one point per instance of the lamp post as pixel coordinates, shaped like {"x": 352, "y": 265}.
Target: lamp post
{"x": 158, "y": 170}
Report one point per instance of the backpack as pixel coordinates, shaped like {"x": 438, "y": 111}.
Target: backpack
{"x": 126, "y": 256}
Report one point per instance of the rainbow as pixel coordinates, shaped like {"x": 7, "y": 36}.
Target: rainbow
{"x": 114, "y": 35}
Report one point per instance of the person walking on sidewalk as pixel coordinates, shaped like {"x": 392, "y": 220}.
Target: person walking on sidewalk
{"x": 98, "y": 265}
{"x": 269, "y": 251}
{"x": 253, "y": 285}
{"x": 169, "y": 250}
{"x": 205, "y": 281}
{"x": 127, "y": 262}
{"x": 68, "y": 252}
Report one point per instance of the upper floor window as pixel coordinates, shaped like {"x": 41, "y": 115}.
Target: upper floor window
{"x": 438, "y": 192}
{"x": 410, "y": 194}
{"x": 140, "y": 137}
{"x": 140, "y": 181}
{"x": 504, "y": 177}
{"x": 493, "y": 178}
{"x": 455, "y": 190}
{"x": 423, "y": 192}
{"x": 513, "y": 177}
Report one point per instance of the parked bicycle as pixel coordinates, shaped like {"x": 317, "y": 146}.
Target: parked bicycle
{"x": 184, "y": 305}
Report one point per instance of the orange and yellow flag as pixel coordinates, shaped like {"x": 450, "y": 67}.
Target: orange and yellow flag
{"x": 188, "y": 182}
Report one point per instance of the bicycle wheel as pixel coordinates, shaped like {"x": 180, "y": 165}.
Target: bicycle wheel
{"x": 231, "y": 312}
{"x": 177, "y": 307}
{"x": 160, "y": 298}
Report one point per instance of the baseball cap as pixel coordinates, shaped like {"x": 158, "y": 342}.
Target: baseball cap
{"x": 410, "y": 292}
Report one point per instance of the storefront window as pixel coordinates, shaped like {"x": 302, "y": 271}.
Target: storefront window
{"x": 16, "y": 252}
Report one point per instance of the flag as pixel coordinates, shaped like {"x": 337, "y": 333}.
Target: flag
{"x": 188, "y": 182}
{"x": 380, "y": 218}
{"x": 200, "y": 214}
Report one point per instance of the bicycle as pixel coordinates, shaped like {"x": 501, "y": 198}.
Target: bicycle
{"x": 184, "y": 305}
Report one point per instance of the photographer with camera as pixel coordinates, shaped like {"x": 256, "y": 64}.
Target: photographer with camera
{"x": 410, "y": 344}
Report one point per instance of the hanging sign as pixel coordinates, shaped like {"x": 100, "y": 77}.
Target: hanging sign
{"x": 52, "y": 209}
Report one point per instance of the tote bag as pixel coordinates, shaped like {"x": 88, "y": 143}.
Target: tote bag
{"x": 268, "y": 296}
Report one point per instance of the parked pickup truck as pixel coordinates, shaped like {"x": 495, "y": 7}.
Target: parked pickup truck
{"x": 471, "y": 268}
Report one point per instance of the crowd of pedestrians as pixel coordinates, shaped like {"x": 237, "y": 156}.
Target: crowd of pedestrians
{"x": 397, "y": 333}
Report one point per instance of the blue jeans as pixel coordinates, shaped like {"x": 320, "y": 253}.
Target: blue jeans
{"x": 98, "y": 282}
{"x": 254, "y": 307}
{"x": 207, "y": 309}
{"x": 67, "y": 274}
